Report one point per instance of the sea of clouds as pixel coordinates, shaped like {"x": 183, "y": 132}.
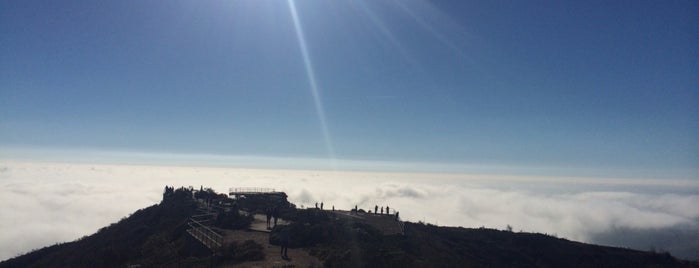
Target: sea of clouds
{"x": 49, "y": 202}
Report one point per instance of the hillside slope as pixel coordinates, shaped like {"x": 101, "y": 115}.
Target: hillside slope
{"x": 153, "y": 235}
{"x": 156, "y": 237}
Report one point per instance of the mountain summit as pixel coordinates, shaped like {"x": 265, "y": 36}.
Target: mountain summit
{"x": 201, "y": 228}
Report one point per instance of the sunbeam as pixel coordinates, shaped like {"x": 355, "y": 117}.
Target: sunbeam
{"x": 386, "y": 32}
{"x": 439, "y": 36}
{"x": 312, "y": 81}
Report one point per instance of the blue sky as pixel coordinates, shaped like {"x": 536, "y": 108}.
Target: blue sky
{"x": 582, "y": 85}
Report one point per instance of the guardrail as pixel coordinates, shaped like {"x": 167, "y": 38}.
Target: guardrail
{"x": 204, "y": 234}
{"x": 250, "y": 190}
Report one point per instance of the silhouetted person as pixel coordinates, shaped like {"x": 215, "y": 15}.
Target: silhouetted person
{"x": 275, "y": 214}
{"x": 316, "y": 205}
{"x": 269, "y": 218}
{"x": 381, "y": 210}
{"x": 333, "y": 207}
{"x": 397, "y": 215}
{"x": 321, "y": 205}
{"x": 387, "y": 211}
{"x": 355, "y": 209}
{"x": 376, "y": 208}
{"x": 284, "y": 243}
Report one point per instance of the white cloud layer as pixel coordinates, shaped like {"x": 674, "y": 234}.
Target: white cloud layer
{"x": 46, "y": 203}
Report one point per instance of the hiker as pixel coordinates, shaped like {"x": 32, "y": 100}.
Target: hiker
{"x": 333, "y": 207}
{"x": 387, "y": 211}
{"x": 381, "y": 210}
{"x": 397, "y": 215}
{"x": 284, "y": 243}
{"x": 275, "y": 214}
{"x": 269, "y": 218}
{"x": 316, "y": 205}
{"x": 376, "y": 208}
{"x": 321, "y": 205}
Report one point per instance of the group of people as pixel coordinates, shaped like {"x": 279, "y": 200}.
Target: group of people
{"x": 284, "y": 237}
{"x": 376, "y": 210}
{"x": 321, "y": 205}
{"x": 388, "y": 211}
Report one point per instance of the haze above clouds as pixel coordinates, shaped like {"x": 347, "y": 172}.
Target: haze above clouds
{"x": 561, "y": 106}
{"x": 46, "y": 203}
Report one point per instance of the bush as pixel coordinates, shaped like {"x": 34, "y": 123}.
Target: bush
{"x": 246, "y": 251}
{"x": 233, "y": 220}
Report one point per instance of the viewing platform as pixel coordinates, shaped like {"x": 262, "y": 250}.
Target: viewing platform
{"x": 238, "y": 192}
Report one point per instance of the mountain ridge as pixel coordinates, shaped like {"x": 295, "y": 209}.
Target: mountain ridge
{"x": 157, "y": 236}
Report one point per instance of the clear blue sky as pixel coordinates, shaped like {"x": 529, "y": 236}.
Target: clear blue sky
{"x": 589, "y": 85}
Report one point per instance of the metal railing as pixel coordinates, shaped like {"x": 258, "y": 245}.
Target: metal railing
{"x": 204, "y": 234}
{"x": 250, "y": 190}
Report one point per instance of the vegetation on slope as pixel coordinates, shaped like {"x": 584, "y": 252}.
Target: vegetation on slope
{"x": 151, "y": 237}
{"x": 345, "y": 243}
{"x": 156, "y": 237}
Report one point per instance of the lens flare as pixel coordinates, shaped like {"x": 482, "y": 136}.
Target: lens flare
{"x": 310, "y": 73}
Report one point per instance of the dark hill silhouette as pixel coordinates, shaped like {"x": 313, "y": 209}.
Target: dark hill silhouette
{"x": 151, "y": 235}
{"x": 157, "y": 237}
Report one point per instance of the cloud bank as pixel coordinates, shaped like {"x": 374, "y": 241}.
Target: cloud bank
{"x": 45, "y": 203}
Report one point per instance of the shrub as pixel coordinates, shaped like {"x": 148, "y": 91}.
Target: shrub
{"x": 247, "y": 251}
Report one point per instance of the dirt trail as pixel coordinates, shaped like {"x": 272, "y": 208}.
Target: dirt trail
{"x": 259, "y": 233}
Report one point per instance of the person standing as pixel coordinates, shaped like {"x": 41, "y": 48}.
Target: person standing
{"x": 269, "y": 218}
{"x": 275, "y": 214}
{"x": 284, "y": 243}
{"x": 376, "y": 208}
{"x": 321, "y": 205}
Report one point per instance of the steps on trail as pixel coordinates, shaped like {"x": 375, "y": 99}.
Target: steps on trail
{"x": 204, "y": 234}
{"x": 200, "y": 228}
